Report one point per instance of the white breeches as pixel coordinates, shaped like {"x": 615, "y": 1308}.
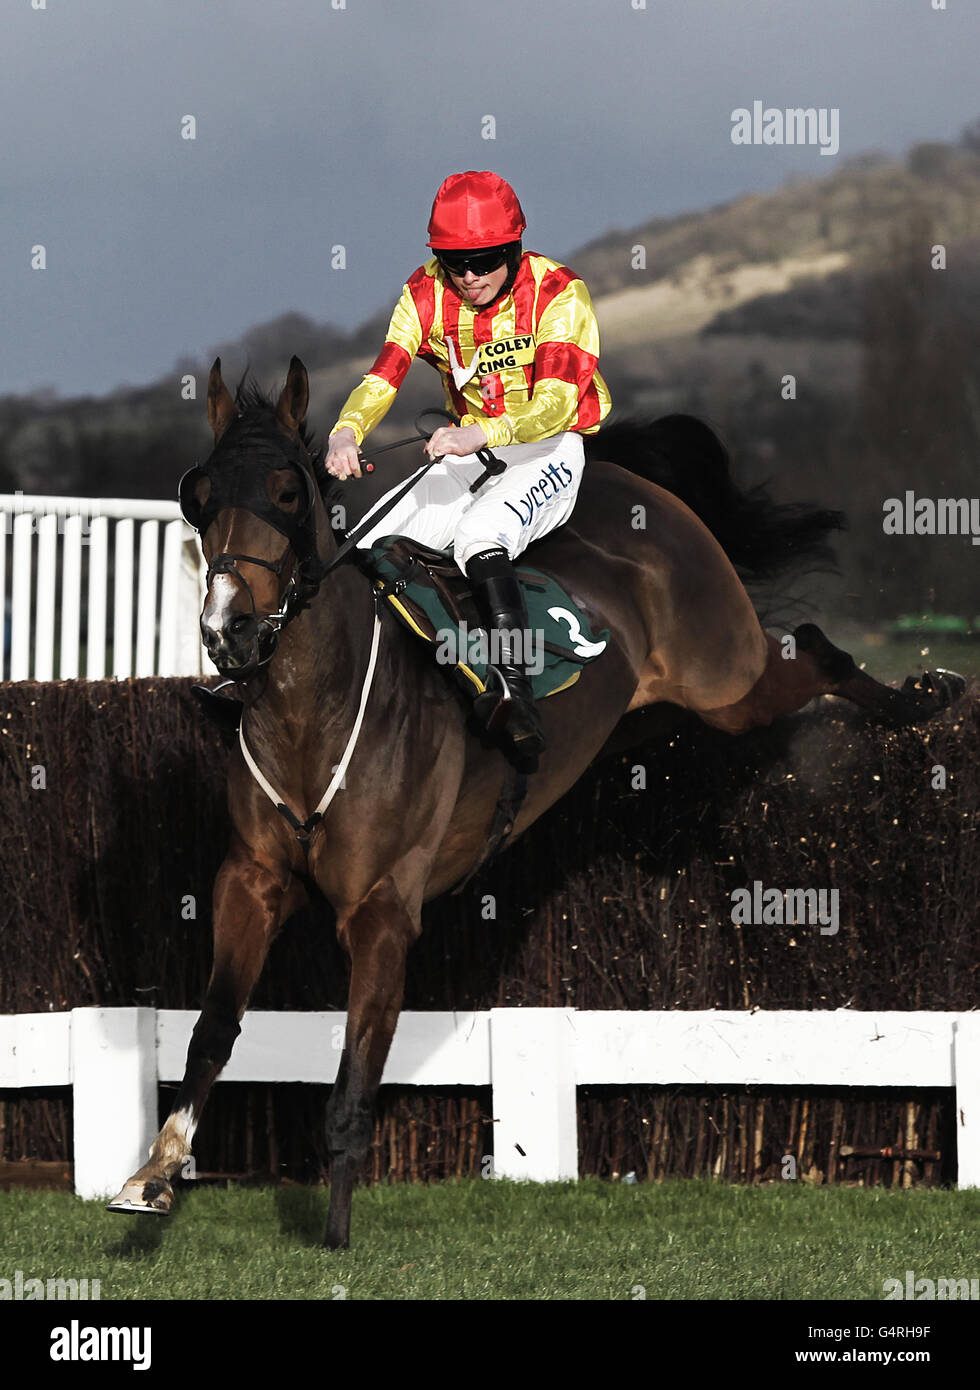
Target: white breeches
{"x": 535, "y": 494}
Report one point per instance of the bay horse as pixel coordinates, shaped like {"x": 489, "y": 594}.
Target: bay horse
{"x": 420, "y": 790}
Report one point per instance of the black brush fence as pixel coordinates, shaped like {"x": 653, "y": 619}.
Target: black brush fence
{"x": 621, "y": 898}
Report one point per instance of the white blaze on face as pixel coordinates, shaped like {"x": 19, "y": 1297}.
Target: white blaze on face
{"x": 218, "y": 611}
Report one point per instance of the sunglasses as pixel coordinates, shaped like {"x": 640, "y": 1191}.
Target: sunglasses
{"x": 480, "y": 262}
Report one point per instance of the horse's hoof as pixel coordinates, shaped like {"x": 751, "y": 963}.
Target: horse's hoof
{"x": 139, "y": 1195}
{"x": 934, "y": 690}
{"x": 948, "y": 683}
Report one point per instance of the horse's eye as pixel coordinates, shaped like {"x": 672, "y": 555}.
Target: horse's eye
{"x": 287, "y": 497}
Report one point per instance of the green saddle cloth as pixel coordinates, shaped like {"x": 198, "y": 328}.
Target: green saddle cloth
{"x": 432, "y": 598}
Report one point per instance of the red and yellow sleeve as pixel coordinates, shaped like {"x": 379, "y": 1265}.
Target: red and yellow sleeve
{"x": 368, "y": 403}
{"x": 568, "y": 391}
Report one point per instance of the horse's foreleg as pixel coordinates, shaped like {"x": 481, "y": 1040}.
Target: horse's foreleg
{"x": 814, "y": 666}
{"x": 249, "y": 905}
{"x": 376, "y": 935}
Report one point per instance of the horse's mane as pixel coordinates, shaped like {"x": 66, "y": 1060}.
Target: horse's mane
{"x": 259, "y": 431}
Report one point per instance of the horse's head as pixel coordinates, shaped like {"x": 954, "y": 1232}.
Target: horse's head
{"x": 255, "y": 502}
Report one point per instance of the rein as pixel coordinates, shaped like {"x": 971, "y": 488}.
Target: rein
{"x": 492, "y": 466}
{"x": 491, "y": 463}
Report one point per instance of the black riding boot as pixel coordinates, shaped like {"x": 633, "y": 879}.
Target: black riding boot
{"x": 500, "y": 602}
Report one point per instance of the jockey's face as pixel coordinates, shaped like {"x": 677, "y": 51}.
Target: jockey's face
{"x": 480, "y": 289}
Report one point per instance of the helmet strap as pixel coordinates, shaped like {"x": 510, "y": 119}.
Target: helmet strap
{"x": 514, "y": 254}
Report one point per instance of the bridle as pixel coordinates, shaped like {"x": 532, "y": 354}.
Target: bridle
{"x": 269, "y": 625}
{"x": 233, "y": 484}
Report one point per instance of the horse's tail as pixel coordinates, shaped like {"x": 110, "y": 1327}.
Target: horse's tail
{"x": 761, "y": 537}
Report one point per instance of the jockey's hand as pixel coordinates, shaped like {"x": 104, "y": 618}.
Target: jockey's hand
{"x": 456, "y": 440}
{"x": 342, "y": 459}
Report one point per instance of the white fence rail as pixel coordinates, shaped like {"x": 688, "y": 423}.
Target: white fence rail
{"x": 143, "y": 623}
{"x": 532, "y": 1058}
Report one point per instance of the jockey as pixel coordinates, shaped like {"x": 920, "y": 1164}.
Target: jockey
{"x": 514, "y": 336}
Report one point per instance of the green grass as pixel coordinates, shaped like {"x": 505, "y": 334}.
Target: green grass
{"x": 680, "y": 1239}
{"x": 893, "y": 660}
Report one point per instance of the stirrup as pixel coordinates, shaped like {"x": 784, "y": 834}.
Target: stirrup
{"x": 503, "y": 708}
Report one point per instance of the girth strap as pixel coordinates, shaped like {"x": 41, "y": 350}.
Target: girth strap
{"x": 504, "y": 817}
{"x": 304, "y": 829}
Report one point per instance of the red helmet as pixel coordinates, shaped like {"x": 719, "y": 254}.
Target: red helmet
{"x": 474, "y": 210}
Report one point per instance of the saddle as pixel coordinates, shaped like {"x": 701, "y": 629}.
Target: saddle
{"x": 432, "y": 598}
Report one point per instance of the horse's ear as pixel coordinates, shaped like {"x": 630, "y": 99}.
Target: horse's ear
{"x": 221, "y": 407}
{"x": 295, "y": 397}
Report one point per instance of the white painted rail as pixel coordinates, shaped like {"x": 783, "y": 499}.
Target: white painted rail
{"x": 145, "y": 623}
{"x": 532, "y": 1058}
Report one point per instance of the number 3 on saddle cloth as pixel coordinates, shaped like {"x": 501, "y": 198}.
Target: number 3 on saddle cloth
{"x": 432, "y": 598}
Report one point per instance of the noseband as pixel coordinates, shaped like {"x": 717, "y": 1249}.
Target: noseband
{"x": 273, "y": 623}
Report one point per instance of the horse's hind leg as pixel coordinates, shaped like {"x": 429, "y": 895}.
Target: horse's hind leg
{"x": 814, "y": 666}
{"x": 249, "y": 905}
{"x": 919, "y": 698}
{"x": 376, "y": 935}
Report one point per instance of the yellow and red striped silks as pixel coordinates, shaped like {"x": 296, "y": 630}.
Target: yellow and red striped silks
{"x": 524, "y": 368}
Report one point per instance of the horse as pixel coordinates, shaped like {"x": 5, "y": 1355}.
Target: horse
{"x": 420, "y": 789}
